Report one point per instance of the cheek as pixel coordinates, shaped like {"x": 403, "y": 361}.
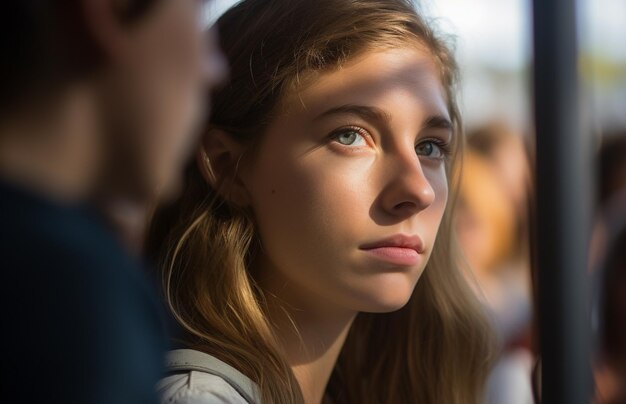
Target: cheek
{"x": 439, "y": 183}
{"x": 306, "y": 194}
{"x": 170, "y": 68}
{"x": 170, "y": 106}
{"x": 308, "y": 209}
{"x": 438, "y": 179}
{"x": 181, "y": 98}
{"x": 433, "y": 215}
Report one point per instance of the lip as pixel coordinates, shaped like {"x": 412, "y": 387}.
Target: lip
{"x": 399, "y": 249}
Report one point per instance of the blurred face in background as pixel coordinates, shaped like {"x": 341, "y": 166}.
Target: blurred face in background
{"x": 485, "y": 222}
{"x": 154, "y": 92}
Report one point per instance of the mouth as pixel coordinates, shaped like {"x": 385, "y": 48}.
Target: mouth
{"x": 399, "y": 249}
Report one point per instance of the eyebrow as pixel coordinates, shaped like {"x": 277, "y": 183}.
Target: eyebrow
{"x": 378, "y": 115}
{"x": 438, "y": 122}
{"x": 366, "y": 112}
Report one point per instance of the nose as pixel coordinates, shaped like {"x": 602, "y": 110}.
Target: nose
{"x": 408, "y": 190}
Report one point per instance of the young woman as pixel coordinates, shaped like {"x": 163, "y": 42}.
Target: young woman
{"x": 310, "y": 256}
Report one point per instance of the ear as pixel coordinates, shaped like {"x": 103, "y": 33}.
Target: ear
{"x": 219, "y": 161}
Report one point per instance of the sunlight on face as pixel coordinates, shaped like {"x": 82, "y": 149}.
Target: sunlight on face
{"x": 349, "y": 185}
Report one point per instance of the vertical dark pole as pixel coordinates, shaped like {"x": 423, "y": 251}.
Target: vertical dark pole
{"x": 563, "y": 206}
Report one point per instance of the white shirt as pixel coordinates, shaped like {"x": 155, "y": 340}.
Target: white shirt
{"x": 198, "y": 378}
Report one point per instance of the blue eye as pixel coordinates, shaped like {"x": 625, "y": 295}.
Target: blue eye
{"x": 430, "y": 148}
{"x": 350, "y": 137}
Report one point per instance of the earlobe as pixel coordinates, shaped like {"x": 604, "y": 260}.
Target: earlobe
{"x": 220, "y": 163}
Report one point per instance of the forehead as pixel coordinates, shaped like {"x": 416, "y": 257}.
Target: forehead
{"x": 395, "y": 80}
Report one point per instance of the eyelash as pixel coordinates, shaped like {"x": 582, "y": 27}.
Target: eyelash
{"x": 444, "y": 146}
{"x": 346, "y": 129}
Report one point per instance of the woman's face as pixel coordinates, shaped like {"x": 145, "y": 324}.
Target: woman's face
{"x": 348, "y": 185}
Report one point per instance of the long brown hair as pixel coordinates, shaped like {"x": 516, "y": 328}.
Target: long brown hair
{"x": 434, "y": 350}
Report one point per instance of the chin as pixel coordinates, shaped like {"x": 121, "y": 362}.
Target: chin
{"x": 385, "y": 307}
{"x": 386, "y": 295}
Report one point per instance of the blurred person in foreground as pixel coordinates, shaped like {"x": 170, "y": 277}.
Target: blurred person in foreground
{"x": 98, "y": 103}
{"x": 492, "y": 230}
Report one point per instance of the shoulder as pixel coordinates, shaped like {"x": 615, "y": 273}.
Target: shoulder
{"x": 198, "y": 378}
{"x": 196, "y": 387}
{"x": 74, "y": 299}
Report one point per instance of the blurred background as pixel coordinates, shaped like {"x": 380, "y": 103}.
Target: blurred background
{"x": 493, "y": 42}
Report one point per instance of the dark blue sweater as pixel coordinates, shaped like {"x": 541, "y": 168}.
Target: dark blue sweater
{"x": 81, "y": 324}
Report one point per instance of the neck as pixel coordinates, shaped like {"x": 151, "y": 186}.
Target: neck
{"x": 52, "y": 150}
{"x": 312, "y": 333}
